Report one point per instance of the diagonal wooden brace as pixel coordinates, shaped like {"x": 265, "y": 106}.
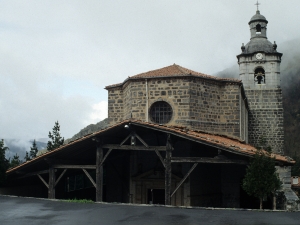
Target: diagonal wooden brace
{"x": 185, "y": 177}
{"x": 89, "y": 176}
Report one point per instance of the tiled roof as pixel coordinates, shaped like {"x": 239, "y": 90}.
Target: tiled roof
{"x": 231, "y": 144}
{"x": 172, "y": 71}
{"x": 226, "y": 143}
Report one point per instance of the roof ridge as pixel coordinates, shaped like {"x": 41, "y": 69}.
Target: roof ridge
{"x": 181, "y": 69}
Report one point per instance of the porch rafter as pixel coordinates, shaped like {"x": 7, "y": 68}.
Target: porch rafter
{"x": 207, "y": 160}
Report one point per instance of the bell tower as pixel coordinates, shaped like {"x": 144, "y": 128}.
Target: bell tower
{"x": 259, "y": 69}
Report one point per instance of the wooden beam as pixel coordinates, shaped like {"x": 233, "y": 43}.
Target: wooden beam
{"x": 206, "y": 160}
{"x": 195, "y": 139}
{"x": 89, "y": 176}
{"x": 74, "y": 166}
{"x": 107, "y": 153}
{"x": 33, "y": 173}
{"x": 141, "y": 140}
{"x": 60, "y": 176}
{"x": 52, "y": 161}
{"x": 125, "y": 139}
{"x": 185, "y": 177}
{"x": 51, "y": 189}
{"x": 43, "y": 180}
{"x": 99, "y": 172}
{"x": 168, "y": 172}
{"x": 160, "y": 157}
{"x": 135, "y": 148}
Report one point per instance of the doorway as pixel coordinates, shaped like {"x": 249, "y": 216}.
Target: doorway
{"x": 156, "y": 196}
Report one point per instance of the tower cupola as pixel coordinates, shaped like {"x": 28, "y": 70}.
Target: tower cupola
{"x": 258, "y": 26}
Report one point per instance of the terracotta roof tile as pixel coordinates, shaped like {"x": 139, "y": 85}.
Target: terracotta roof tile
{"x": 229, "y": 143}
{"x": 172, "y": 71}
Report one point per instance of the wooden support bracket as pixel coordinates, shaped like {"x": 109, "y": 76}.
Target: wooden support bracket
{"x": 141, "y": 140}
{"x": 160, "y": 157}
{"x": 125, "y": 139}
{"x": 60, "y": 176}
{"x": 89, "y": 176}
{"x": 42, "y": 179}
{"x": 185, "y": 177}
{"x": 109, "y": 151}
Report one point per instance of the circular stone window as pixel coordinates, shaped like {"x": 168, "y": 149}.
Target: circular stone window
{"x": 161, "y": 112}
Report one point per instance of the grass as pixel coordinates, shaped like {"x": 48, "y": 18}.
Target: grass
{"x": 79, "y": 200}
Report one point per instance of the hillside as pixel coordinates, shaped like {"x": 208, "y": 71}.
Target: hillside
{"x": 89, "y": 129}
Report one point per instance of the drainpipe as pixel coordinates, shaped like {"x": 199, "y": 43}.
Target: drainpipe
{"x": 147, "y": 103}
{"x": 241, "y": 113}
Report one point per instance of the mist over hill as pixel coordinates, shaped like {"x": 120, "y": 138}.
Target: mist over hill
{"x": 290, "y": 83}
{"x": 20, "y": 146}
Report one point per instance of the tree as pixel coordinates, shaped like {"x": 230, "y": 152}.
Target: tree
{"x": 4, "y": 163}
{"x": 27, "y": 157}
{"x": 56, "y": 139}
{"x": 261, "y": 179}
{"x": 33, "y": 150}
{"x": 15, "y": 161}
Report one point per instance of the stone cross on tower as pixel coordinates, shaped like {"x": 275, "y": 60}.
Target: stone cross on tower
{"x": 257, "y": 4}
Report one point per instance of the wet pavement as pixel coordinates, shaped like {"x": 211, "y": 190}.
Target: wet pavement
{"x": 19, "y": 211}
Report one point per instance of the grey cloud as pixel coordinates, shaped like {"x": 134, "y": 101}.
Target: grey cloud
{"x": 43, "y": 43}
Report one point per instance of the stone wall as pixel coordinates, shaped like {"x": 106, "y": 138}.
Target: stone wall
{"x": 115, "y": 105}
{"x": 197, "y": 103}
{"x": 215, "y": 107}
{"x": 266, "y": 118}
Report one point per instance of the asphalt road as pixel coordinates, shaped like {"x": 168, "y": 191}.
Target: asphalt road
{"x": 19, "y": 211}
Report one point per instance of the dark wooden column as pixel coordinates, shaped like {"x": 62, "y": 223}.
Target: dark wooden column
{"x": 51, "y": 189}
{"x": 168, "y": 172}
{"x": 99, "y": 173}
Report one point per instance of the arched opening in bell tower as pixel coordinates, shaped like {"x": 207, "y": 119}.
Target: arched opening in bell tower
{"x": 258, "y": 29}
{"x": 259, "y": 76}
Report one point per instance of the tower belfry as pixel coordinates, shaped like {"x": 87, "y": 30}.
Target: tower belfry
{"x": 259, "y": 69}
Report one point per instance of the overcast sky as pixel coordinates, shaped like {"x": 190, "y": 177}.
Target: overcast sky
{"x": 57, "y": 56}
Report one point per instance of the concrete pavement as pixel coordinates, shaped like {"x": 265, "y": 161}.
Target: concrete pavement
{"x": 19, "y": 211}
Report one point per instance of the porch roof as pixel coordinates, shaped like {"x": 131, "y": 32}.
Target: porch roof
{"x": 221, "y": 142}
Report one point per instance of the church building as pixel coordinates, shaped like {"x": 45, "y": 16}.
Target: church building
{"x": 175, "y": 137}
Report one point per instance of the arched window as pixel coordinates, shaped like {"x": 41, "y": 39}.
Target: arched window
{"x": 258, "y": 29}
{"x": 161, "y": 112}
{"x": 259, "y": 76}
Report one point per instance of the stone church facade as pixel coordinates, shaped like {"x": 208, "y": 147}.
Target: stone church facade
{"x": 176, "y": 137}
{"x": 249, "y": 109}
{"x": 180, "y": 97}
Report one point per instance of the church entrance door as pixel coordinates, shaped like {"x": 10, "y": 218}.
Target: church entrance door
{"x": 156, "y": 196}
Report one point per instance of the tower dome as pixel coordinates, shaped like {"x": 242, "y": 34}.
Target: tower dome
{"x": 258, "y": 36}
{"x": 259, "y": 45}
{"x": 258, "y": 18}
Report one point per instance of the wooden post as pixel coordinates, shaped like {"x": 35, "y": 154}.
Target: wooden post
{"x": 99, "y": 173}
{"x": 51, "y": 189}
{"x": 168, "y": 169}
